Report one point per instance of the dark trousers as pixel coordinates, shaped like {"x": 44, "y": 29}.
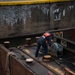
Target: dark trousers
{"x": 59, "y": 54}
{"x": 44, "y": 48}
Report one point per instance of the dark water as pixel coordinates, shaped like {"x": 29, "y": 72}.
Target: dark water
{"x": 14, "y": 42}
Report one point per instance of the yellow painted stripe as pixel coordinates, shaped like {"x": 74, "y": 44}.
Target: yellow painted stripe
{"x": 21, "y": 2}
{"x": 27, "y": 51}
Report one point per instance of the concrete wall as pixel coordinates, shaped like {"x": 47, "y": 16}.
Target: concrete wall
{"x": 35, "y": 19}
{"x": 67, "y": 15}
{"x": 24, "y": 19}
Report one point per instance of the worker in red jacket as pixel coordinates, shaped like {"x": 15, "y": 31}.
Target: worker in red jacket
{"x": 42, "y": 41}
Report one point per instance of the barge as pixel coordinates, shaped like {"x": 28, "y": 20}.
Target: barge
{"x": 13, "y": 59}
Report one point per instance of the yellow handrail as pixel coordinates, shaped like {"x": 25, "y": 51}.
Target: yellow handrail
{"x": 21, "y": 2}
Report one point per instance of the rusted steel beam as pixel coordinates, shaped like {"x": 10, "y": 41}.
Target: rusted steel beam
{"x": 3, "y": 54}
{"x": 69, "y": 72}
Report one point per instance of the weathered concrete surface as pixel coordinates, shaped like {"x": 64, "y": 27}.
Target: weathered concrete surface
{"x": 66, "y": 14}
{"x": 24, "y": 19}
{"x": 35, "y": 19}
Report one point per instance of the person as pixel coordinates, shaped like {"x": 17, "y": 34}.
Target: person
{"x": 50, "y": 38}
{"x": 42, "y": 42}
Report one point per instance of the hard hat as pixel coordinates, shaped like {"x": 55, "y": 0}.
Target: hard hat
{"x": 47, "y": 34}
